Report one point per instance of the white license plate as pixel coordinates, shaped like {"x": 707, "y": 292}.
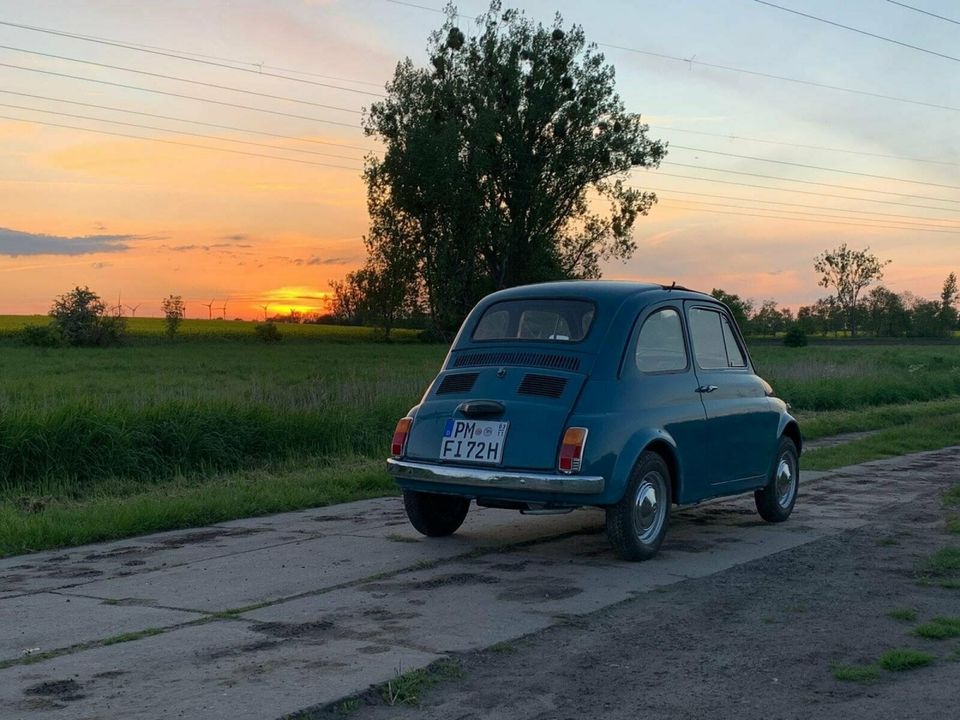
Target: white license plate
{"x": 478, "y": 441}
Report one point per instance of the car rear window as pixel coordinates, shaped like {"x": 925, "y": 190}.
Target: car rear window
{"x": 536, "y": 320}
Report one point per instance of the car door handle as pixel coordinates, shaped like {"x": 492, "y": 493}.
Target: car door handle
{"x": 706, "y": 388}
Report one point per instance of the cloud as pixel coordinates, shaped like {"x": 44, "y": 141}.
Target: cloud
{"x": 315, "y": 260}
{"x": 205, "y": 248}
{"x": 101, "y": 265}
{"x": 238, "y": 237}
{"x": 15, "y": 243}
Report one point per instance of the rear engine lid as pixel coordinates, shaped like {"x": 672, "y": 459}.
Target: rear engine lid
{"x": 534, "y": 400}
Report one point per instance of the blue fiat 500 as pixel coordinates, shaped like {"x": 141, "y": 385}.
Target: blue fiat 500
{"x": 625, "y": 396}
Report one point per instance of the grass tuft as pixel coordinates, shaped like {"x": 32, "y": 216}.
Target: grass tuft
{"x": 408, "y": 688}
{"x": 906, "y": 614}
{"x": 855, "y": 673}
{"x": 901, "y": 659}
{"x": 939, "y": 628}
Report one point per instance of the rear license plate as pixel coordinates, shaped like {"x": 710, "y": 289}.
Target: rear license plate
{"x": 477, "y": 441}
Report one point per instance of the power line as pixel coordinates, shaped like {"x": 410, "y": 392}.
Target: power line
{"x": 814, "y": 167}
{"x": 925, "y": 12}
{"x": 802, "y": 205}
{"x": 183, "y": 144}
{"x": 169, "y": 53}
{"x": 809, "y": 220}
{"x": 767, "y": 141}
{"x": 859, "y": 31}
{"x": 178, "y": 132}
{"x": 811, "y": 182}
{"x": 185, "y": 120}
{"x": 690, "y": 62}
{"x": 896, "y": 225}
{"x": 181, "y": 79}
{"x": 127, "y": 86}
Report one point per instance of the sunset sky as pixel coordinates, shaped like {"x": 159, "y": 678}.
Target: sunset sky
{"x": 141, "y": 219}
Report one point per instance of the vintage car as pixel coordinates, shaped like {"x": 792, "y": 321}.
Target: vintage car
{"x": 624, "y": 396}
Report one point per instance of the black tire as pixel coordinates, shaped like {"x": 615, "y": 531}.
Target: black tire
{"x": 775, "y": 502}
{"x": 435, "y": 515}
{"x": 638, "y": 523}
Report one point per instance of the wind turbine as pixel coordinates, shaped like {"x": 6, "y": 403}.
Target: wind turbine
{"x": 209, "y": 307}
{"x": 133, "y": 309}
{"x": 265, "y": 311}
{"x": 223, "y": 309}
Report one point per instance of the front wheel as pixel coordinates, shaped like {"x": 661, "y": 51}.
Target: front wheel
{"x": 775, "y": 502}
{"x": 435, "y": 515}
{"x": 638, "y": 523}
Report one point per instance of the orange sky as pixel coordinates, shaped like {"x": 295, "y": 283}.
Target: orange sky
{"x": 143, "y": 220}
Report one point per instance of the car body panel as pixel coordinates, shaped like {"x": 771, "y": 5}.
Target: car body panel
{"x": 716, "y": 443}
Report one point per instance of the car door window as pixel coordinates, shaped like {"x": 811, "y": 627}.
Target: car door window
{"x": 735, "y": 357}
{"x": 706, "y": 333}
{"x": 660, "y": 346}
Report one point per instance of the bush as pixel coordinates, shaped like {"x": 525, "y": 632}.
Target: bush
{"x": 795, "y": 337}
{"x": 267, "y": 332}
{"x": 80, "y": 319}
{"x": 44, "y": 336}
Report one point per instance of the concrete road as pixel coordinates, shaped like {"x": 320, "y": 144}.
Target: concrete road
{"x": 262, "y": 617}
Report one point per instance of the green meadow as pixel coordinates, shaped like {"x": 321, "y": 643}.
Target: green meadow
{"x": 105, "y": 443}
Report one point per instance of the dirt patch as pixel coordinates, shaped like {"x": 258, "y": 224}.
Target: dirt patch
{"x": 540, "y": 590}
{"x": 295, "y": 631}
{"x": 455, "y": 579}
{"x": 202, "y": 536}
{"x": 65, "y": 690}
{"x": 110, "y": 674}
{"x": 73, "y": 572}
{"x": 835, "y": 440}
{"x": 116, "y": 553}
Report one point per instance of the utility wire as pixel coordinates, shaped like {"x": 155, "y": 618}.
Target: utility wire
{"x": 179, "y": 56}
{"x": 690, "y": 62}
{"x": 178, "y": 132}
{"x": 811, "y": 193}
{"x": 951, "y": 223}
{"x": 181, "y": 79}
{"x": 813, "y": 167}
{"x": 185, "y": 120}
{"x": 767, "y": 141}
{"x": 890, "y": 223}
{"x": 809, "y": 220}
{"x": 811, "y": 182}
{"x": 925, "y": 12}
{"x": 859, "y": 31}
{"x": 173, "y": 94}
{"x": 183, "y": 144}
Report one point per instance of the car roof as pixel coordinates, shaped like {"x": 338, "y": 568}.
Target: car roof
{"x": 606, "y": 292}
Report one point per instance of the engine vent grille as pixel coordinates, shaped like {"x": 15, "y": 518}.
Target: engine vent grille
{"x": 458, "y": 383}
{"x": 529, "y": 359}
{"x": 544, "y": 385}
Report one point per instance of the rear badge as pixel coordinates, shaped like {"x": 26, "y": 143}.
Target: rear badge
{"x": 501, "y": 373}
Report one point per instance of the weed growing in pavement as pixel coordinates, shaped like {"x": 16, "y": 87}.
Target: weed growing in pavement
{"x": 408, "y": 688}
{"x": 906, "y": 614}
{"x": 940, "y": 628}
{"x": 901, "y": 659}
{"x": 855, "y": 673}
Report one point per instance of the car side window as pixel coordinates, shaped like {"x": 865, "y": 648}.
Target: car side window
{"x": 735, "y": 356}
{"x": 660, "y": 346}
{"x": 706, "y": 332}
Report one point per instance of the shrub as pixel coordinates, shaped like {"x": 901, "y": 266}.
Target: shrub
{"x": 45, "y": 336}
{"x": 173, "y": 312}
{"x": 80, "y": 318}
{"x": 267, "y": 332}
{"x": 795, "y": 337}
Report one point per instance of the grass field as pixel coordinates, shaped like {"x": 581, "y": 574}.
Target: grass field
{"x": 104, "y": 443}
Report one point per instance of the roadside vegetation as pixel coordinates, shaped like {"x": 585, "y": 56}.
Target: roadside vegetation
{"x": 102, "y": 443}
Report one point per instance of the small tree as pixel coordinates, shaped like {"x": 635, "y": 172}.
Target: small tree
{"x": 948, "y": 298}
{"x": 173, "y": 313}
{"x": 740, "y": 308}
{"x": 81, "y": 318}
{"x": 848, "y": 272}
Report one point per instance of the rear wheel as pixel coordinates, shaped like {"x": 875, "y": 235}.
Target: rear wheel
{"x": 435, "y": 515}
{"x": 775, "y": 502}
{"x": 638, "y": 523}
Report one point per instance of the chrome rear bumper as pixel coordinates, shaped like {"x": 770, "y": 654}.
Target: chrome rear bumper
{"x": 495, "y": 478}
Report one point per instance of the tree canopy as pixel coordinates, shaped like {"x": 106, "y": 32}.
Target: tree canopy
{"x": 506, "y": 162}
{"x": 848, "y": 272}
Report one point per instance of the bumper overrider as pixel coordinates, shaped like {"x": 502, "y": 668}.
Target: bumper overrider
{"x": 495, "y": 478}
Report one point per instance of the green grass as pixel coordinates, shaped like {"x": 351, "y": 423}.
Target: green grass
{"x": 952, "y": 497}
{"x": 901, "y": 659}
{"x": 97, "y": 444}
{"x": 408, "y": 688}
{"x": 907, "y": 614}
{"x": 939, "y": 628}
{"x": 855, "y": 673}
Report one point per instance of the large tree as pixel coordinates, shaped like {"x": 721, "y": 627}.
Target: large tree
{"x": 848, "y": 272}
{"x": 506, "y": 162}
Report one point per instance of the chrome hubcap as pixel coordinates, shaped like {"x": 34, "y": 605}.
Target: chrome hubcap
{"x": 648, "y": 508}
{"x": 786, "y": 480}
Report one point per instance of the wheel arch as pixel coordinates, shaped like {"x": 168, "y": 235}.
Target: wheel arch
{"x": 791, "y": 429}
{"x": 658, "y": 441}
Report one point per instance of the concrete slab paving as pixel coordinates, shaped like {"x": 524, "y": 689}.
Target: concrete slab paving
{"x": 351, "y": 595}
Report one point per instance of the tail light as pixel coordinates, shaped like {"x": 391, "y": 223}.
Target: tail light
{"x": 571, "y": 450}
{"x": 400, "y": 435}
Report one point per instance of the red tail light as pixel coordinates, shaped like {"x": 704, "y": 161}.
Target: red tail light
{"x": 399, "y": 443}
{"x": 571, "y": 450}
